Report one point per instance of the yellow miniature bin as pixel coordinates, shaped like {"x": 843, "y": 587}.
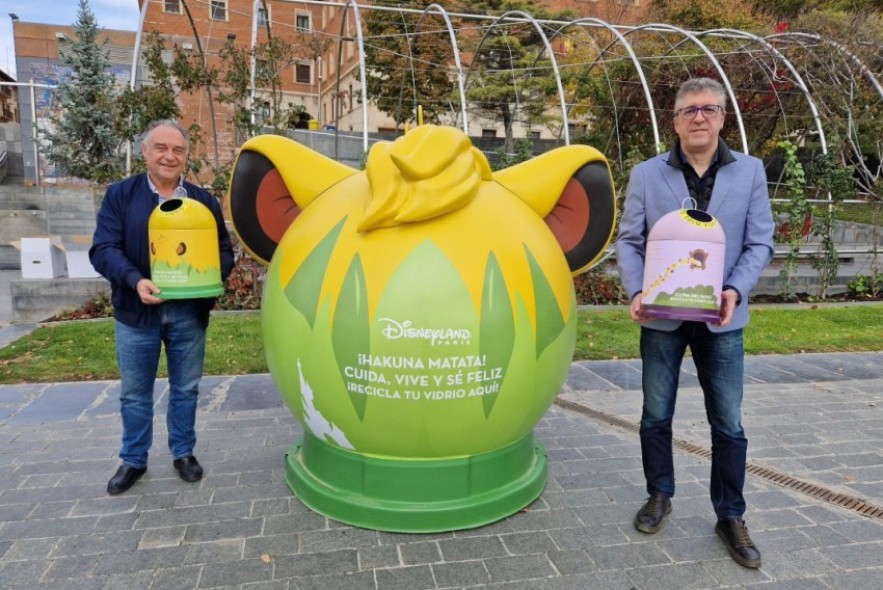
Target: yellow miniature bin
{"x": 185, "y": 262}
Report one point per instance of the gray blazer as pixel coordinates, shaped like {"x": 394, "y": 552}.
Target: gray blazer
{"x": 740, "y": 203}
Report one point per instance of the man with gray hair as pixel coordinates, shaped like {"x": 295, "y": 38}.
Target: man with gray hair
{"x": 144, "y": 321}
{"x": 731, "y": 187}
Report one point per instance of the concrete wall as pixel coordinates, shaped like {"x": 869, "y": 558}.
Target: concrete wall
{"x": 34, "y": 300}
{"x": 10, "y": 142}
{"x": 29, "y": 211}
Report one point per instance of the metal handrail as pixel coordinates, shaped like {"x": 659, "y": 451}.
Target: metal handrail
{"x": 4, "y": 165}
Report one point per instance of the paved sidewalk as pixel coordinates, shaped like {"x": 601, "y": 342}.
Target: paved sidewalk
{"x": 813, "y": 417}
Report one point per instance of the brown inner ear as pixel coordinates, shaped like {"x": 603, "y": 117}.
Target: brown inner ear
{"x": 275, "y": 208}
{"x": 569, "y": 218}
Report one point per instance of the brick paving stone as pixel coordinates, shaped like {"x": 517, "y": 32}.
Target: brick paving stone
{"x": 868, "y": 579}
{"x": 608, "y": 580}
{"x": 460, "y": 574}
{"x": 571, "y": 562}
{"x": 224, "y": 529}
{"x": 339, "y": 538}
{"x": 415, "y": 577}
{"x": 382, "y": 556}
{"x": 628, "y": 556}
{"x": 176, "y": 577}
{"x": 272, "y": 545}
{"x": 128, "y": 581}
{"x": 856, "y": 556}
{"x": 356, "y": 581}
{"x": 522, "y": 567}
{"x": 472, "y": 548}
{"x": 686, "y": 576}
{"x": 162, "y": 537}
{"x": 797, "y": 564}
{"x": 236, "y": 572}
{"x": 240, "y": 527}
{"x": 589, "y": 536}
{"x": 225, "y": 551}
{"x": 420, "y": 553}
{"x": 525, "y": 543}
{"x": 70, "y": 567}
{"x": 22, "y": 574}
{"x": 314, "y": 564}
{"x": 29, "y": 549}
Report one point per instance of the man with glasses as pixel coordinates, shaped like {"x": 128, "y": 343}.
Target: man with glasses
{"x": 732, "y": 187}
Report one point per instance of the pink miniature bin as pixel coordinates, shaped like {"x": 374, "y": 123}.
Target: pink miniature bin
{"x": 684, "y": 267}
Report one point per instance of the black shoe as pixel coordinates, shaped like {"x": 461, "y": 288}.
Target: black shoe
{"x": 735, "y": 535}
{"x": 124, "y": 478}
{"x": 188, "y": 468}
{"x": 649, "y": 517}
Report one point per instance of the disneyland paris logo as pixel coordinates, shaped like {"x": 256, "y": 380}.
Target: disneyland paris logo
{"x": 393, "y": 330}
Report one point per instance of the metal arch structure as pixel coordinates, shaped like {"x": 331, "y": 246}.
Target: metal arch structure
{"x": 455, "y": 46}
{"x": 408, "y": 35}
{"x": 360, "y": 40}
{"x": 710, "y": 55}
{"x": 136, "y": 53}
{"x": 773, "y": 44}
{"x": 522, "y": 16}
{"x": 254, "y": 59}
{"x": 851, "y": 62}
{"x": 790, "y": 66}
{"x": 634, "y": 59}
{"x": 863, "y": 68}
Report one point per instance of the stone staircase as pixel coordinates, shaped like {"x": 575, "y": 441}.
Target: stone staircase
{"x": 853, "y": 241}
{"x": 67, "y": 213}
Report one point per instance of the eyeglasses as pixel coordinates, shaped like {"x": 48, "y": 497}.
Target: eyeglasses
{"x": 709, "y": 111}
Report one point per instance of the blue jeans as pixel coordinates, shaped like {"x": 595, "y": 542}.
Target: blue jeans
{"x": 138, "y": 351}
{"x": 719, "y": 359}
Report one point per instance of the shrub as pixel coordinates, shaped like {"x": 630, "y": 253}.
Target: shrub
{"x": 599, "y": 286}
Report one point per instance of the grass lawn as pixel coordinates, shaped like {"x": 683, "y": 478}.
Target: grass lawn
{"x": 84, "y": 350}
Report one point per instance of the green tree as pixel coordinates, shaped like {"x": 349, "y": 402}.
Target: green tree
{"x": 706, "y": 14}
{"x": 791, "y": 9}
{"x": 156, "y": 99}
{"x": 838, "y": 65}
{"x": 409, "y": 66}
{"x": 83, "y": 141}
{"x": 510, "y": 78}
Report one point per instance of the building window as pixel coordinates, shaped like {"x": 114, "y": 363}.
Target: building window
{"x": 533, "y": 135}
{"x": 263, "y": 112}
{"x": 262, "y": 69}
{"x": 263, "y": 16}
{"x": 302, "y": 22}
{"x": 488, "y": 132}
{"x": 172, "y": 6}
{"x": 218, "y": 9}
{"x": 303, "y": 74}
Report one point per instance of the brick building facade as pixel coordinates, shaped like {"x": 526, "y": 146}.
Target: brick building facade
{"x": 321, "y": 36}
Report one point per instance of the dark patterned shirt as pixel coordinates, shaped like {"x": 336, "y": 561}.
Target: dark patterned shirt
{"x": 700, "y": 188}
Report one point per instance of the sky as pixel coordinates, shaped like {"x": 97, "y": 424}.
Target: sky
{"x": 110, "y": 14}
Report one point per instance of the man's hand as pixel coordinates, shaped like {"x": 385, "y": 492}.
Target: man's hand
{"x": 148, "y": 292}
{"x": 636, "y": 310}
{"x": 728, "y": 305}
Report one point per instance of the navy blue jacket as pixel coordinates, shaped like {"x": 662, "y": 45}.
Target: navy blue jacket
{"x": 120, "y": 252}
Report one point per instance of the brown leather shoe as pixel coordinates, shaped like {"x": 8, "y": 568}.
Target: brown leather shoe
{"x": 649, "y": 517}
{"x": 740, "y": 546}
{"x": 124, "y": 478}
